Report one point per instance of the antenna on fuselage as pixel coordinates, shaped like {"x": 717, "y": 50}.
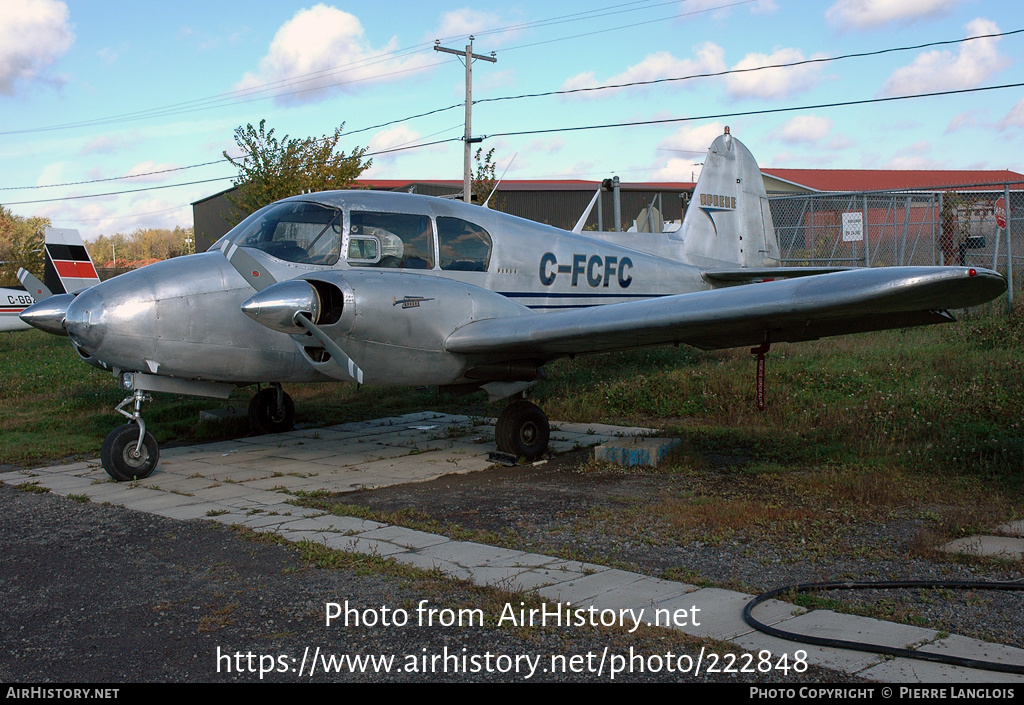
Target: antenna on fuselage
{"x": 499, "y": 180}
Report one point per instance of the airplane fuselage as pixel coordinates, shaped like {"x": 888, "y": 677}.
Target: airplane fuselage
{"x": 182, "y": 317}
{"x": 12, "y": 303}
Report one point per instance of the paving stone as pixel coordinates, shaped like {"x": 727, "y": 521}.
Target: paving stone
{"x": 1013, "y": 528}
{"x": 992, "y": 546}
{"x": 843, "y": 660}
{"x": 407, "y": 538}
{"x": 719, "y": 613}
{"x": 583, "y": 590}
{"x": 964, "y": 647}
{"x": 645, "y": 593}
{"x": 907, "y": 671}
{"x": 827, "y": 624}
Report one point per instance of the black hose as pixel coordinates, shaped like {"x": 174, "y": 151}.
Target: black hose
{"x": 875, "y": 648}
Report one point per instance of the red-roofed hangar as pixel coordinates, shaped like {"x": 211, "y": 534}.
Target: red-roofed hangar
{"x": 561, "y": 202}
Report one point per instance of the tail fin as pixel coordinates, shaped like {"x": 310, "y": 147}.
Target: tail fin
{"x": 69, "y": 267}
{"x": 33, "y": 286}
{"x": 728, "y": 223}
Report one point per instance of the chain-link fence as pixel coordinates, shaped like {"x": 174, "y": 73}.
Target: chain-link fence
{"x": 926, "y": 226}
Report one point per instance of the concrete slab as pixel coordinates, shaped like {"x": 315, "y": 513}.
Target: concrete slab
{"x": 902, "y": 670}
{"x": 585, "y": 589}
{"x": 853, "y": 662}
{"x": 827, "y": 624}
{"x": 718, "y": 613}
{"x": 964, "y": 647}
{"x": 992, "y": 546}
{"x": 1013, "y": 528}
{"x": 250, "y": 482}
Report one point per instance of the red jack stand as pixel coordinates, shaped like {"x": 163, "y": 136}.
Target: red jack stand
{"x": 760, "y": 351}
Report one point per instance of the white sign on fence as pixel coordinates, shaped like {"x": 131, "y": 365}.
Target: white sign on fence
{"x": 853, "y": 227}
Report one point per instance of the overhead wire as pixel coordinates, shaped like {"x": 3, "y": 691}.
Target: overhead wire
{"x": 580, "y": 90}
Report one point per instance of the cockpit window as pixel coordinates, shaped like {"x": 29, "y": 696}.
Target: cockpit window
{"x": 390, "y": 240}
{"x": 308, "y": 233}
{"x": 465, "y": 246}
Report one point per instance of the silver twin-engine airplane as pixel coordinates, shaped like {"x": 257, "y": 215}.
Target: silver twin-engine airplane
{"x": 399, "y": 289}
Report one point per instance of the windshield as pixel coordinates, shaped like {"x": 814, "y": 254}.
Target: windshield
{"x": 294, "y": 231}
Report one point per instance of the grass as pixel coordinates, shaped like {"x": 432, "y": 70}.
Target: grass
{"x": 920, "y": 422}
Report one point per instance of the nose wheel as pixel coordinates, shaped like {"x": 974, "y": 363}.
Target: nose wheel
{"x": 271, "y": 411}
{"x": 522, "y": 430}
{"x": 130, "y": 452}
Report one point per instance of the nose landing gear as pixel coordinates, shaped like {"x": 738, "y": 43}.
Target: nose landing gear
{"x": 129, "y": 451}
{"x": 271, "y": 411}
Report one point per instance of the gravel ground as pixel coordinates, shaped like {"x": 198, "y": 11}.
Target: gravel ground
{"x": 99, "y": 594}
{"x": 609, "y": 516}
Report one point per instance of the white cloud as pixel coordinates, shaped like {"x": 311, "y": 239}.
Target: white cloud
{"x": 397, "y": 136}
{"x": 677, "y": 169}
{"x": 764, "y": 7}
{"x": 942, "y": 70}
{"x": 457, "y": 25}
{"x": 323, "y": 50}
{"x": 916, "y": 156}
{"x": 107, "y": 144}
{"x": 709, "y": 58}
{"x": 720, "y": 11}
{"x": 1015, "y": 118}
{"x": 803, "y": 129}
{"x": 53, "y": 173}
{"x": 693, "y": 142}
{"x": 33, "y": 35}
{"x": 867, "y": 14}
{"x": 965, "y": 119}
{"x": 772, "y": 83}
{"x": 145, "y": 169}
{"x": 540, "y": 145}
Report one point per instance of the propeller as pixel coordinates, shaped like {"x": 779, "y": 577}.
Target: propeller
{"x": 291, "y": 306}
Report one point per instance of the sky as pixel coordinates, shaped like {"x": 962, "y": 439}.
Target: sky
{"x": 111, "y": 111}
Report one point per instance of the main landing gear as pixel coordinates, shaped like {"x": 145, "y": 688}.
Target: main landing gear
{"x": 131, "y": 453}
{"x": 522, "y": 430}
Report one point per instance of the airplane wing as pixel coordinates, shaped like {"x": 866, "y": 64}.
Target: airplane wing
{"x": 786, "y": 311}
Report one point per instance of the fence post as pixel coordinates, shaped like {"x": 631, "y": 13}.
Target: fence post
{"x": 1009, "y": 249}
{"x": 933, "y": 212}
{"x": 867, "y": 230}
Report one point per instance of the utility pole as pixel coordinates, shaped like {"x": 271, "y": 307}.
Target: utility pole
{"x": 467, "y": 138}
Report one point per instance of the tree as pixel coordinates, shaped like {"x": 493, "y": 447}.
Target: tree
{"x": 484, "y": 181}
{"x": 21, "y": 245}
{"x": 271, "y": 169}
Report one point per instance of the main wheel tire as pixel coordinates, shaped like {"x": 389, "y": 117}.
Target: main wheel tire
{"x": 522, "y": 430}
{"x": 266, "y": 417}
{"x": 120, "y": 459}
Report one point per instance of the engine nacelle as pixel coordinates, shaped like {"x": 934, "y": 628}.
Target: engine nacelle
{"x": 394, "y": 324}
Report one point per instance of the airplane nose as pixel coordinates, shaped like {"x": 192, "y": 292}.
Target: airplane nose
{"x": 84, "y": 321}
{"x": 48, "y": 315}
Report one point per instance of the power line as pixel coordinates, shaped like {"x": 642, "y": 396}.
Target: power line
{"x": 765, "y": 111}
{"x": 569, "y": 91}
{"x": 232, "y": 96}
{"x": 221, "y": 178}
{"x": 715, "y": 74}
